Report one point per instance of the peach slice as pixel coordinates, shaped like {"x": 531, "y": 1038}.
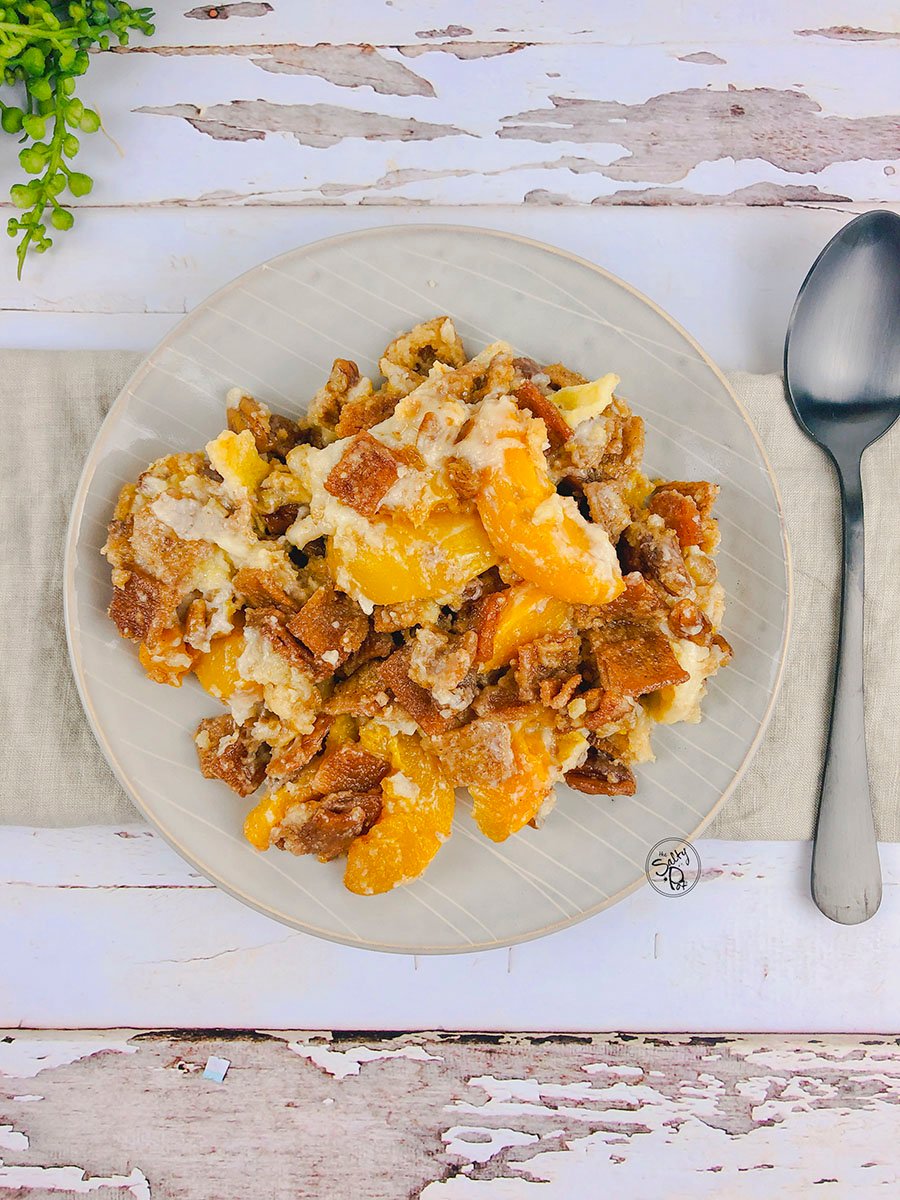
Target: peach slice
{"x": 541, "y": 534}
{"x": 541, "y": 758}
{"x": 217, "y": 669}
{"x": 415, "y": 820}
{"x": 392, "y": 561}
{"x": 525, "y": 613}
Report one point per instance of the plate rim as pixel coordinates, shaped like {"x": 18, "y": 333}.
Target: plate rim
{"x": 69, "y": 597}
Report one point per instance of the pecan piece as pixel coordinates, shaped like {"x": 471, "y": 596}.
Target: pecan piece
{"x": 602, "y": 775}
{"x": 301, "y": 751}
{"x": 553, "y": 656}
{"x": 558, "y": 429}
{"x": 280, "y": 521}
{"x": 653, "y": 550}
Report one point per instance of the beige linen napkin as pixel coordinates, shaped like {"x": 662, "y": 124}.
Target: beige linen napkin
{"x": 51, "y": 772}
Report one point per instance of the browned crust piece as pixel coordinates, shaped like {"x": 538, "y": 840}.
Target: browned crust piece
{"x": 412, "y": 698}
{"x": 349, "y": 768}
{"x": 143, "y": 606}
{"x": 227, "y": 752}
{"x": 363, "y": 475}
{"x": 331, "y": 623}
{"x": 365, "y": 411}
{"x": 362, "y": 695}
{"x": 326, "y": 827}
{"x": 686, "y": 507}
{"x": 561, "y": 376}
{"x": 479, "y": 754}
{"x": 260, "y": 589}
{"x": 376, "y": 645}
{"x": 301, "y": 751}
{"x": 633, "y": 659}
{"x": 607, "y": 508}
{"x": 271, "y": 624}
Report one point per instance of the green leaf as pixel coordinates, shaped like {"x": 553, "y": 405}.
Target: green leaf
{"x": 40, "y": 89}
{"x": 79, "y": 184}
{"x": 35, "y": 126}
{"x": 33, "y": 62}
{"x": 12, "y": 119}
{"x": 20, "y": 194}
{"x": 31, "y": 160}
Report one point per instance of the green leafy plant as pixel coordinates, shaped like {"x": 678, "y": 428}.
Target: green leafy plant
{"x": 45, "y": 45}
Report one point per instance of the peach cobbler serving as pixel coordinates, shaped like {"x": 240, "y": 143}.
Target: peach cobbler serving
{"x": 460, "y": 578}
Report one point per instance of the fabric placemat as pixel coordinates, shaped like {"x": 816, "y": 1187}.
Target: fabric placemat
{"x": 52, "y": 773}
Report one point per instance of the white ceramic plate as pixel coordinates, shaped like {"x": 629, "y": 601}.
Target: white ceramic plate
{"x": 275, "y": 332}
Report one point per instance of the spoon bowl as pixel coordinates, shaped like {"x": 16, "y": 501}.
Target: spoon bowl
{"x": 842, "y": 370}
{"x": 842, "y": 352}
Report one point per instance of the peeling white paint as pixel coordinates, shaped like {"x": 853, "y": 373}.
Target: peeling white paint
{"x": 341, "y": 1063}
{"x": 11, "y": 1139}
{"x": 478, "y": 1144}
{"x": 807, "y": 1144}
{"x": 71, "y": 1179}
{"x": 26, "y": 1057}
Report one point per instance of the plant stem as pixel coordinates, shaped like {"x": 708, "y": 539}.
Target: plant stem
{"x": 54, "y": 162}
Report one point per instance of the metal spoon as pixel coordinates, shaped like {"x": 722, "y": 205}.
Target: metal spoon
{"x": 842, "y": 366}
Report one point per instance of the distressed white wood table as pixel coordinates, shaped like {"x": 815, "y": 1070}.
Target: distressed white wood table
{"x": 704, "y": 153}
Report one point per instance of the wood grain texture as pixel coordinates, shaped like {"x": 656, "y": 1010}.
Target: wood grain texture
{"x": 445, "y": 1117}
{"x": 126, "y": 276}
{"x": 266, "y": 104}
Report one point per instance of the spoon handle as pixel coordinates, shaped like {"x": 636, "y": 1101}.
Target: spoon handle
{"x": 846, "y": 873}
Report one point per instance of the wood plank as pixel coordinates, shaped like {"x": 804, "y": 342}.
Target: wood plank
{"x": 101, "y": 930}
{"x": 663, "y": 120}
{"x": 497, "y": 20}
{"x": 729, "y": 276}
{"x": 467, "y": 1116}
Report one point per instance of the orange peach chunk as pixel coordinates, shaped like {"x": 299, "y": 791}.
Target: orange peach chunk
{"x": 415, "y": 819}
{"x": 541, "y": 534}
{"x": 540, "y": 760}
{"x": 217, "y": 669}
{"x": 526, "y": 613}
{"x": 393, "y": 561}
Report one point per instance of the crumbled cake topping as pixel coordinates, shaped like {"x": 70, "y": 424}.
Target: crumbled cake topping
{"x": 456, "y": 577}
